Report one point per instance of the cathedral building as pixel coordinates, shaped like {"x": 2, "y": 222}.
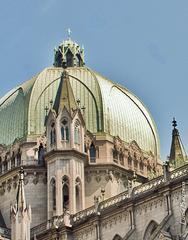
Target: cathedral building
{"x": 80, "y": 159}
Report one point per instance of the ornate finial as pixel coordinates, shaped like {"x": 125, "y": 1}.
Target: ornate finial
{"x": 174, "y": 123}
{"x": 69, "y": 33}
{"x": 78, "y": 102}
{"x": 21, "y": 172}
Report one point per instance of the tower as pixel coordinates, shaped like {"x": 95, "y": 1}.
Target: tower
{"x": 65, "y": 159}
{"x": 20, "y": 214}
{"x": 177, "y": 151}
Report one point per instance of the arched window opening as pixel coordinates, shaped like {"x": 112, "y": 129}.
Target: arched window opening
{"x": 64, "y": 130}
{"x": 92, "y": 153}
{"x": 77, "y": 133}
{"x": 141, "y": 166}
{"x": 129, "y": 161}
{"x": 53, "y": 194}
{"x": 41, "y": 153}
{"x": 121, "y": 158}
{"x": 19, "y": 158}
{"x": 78, "y": 191}
{"x": 135, "y": 164}
{"x": 5, "y": 165}
{"x": 52, "y": 134}
{"x": 65, "y": 192}
{"x": 152, "y": 226}
{"x": 117, "y": 237}
{"x": 115, "y": 155}
{"x": 13, "y": 161}
{"x": 69, "y": 56}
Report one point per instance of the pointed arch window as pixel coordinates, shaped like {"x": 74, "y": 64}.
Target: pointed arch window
{"x": 117, "y": 237}
{"x": 92, "y": 153}
{"x": 77, "y": 133}
{"x": 129, "y": 160}
{"x": 69, "y": 56}
{"x": 19, "y": 158}
{"x": 13, "y": 160}
{"x": 65, "y": 192}
{"x": 5, "y": 165}
{"x": 150, "y": 230}
{"x": 52, "y": 134}
{"x": 78, "y": 192}
{"x": 53, "y": 193}
{"x": 64, "y": 130}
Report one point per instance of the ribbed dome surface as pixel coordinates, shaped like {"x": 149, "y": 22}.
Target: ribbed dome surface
{"x": 109, "y": 108}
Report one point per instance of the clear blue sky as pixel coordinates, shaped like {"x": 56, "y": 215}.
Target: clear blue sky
{"x": 142, "y": 44}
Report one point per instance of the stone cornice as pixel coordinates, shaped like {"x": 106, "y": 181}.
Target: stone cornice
{"x": 71, "y": 152}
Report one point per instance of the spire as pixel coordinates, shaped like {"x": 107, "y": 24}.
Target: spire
{"x": 20, "y": 214}
{"x": 65, "y": 96}
{"x": 21, "y": 201}
{"x": 177, "y": 151}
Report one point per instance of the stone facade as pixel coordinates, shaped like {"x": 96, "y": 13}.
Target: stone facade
{"x": 154, "y": 210}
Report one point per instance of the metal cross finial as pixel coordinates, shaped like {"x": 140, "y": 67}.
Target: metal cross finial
{"x": 69, "y": 33}
{"x": 174, "y": 123}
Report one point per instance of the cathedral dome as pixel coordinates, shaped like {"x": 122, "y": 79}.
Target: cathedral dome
{"x": 107, "y": 107}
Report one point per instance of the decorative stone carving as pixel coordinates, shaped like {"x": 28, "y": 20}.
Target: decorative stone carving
{"x": 98, "y": 178}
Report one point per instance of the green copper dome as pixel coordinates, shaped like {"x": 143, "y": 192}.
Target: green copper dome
{"x": 109, "y": 108}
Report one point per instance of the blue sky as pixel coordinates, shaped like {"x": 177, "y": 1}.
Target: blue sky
{"x": 142, "y": 44}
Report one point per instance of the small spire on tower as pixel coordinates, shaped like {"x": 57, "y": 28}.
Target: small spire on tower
{"x": 20, "y": 213}
{"x": 177, "y": 152}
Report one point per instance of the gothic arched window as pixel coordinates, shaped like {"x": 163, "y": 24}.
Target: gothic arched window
{"x": 78, "y": 190}
{"x": 52, "y": 134}
{"x": 5, "y": 165}
{"x": 77, "y": 133}
{"x": 150, "y": 230}
{"x": 92, "y": 153}
{"x": 117, "y": 237}
{"x": 129, "y": 160}
{"x": 69, "y": 56}
{"x": 13, "y": 161}
{"x": 18, "y": 158}
{"x": 64, "y": 130}
{"x": 65, "y": 192}
{"x": 115, "y": 155}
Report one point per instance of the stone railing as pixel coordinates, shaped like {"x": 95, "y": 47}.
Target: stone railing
{"x": 148, "y": 186}
{"x": 39, "y": 229}
{"x": 83, "y": 214}
{"x": 5, "y": 232}
{"x": 179, "y": 172}
{"x": 114, "y": 200}
{"x": 55, "y": 222}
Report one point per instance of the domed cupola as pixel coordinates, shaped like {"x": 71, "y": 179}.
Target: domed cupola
{"x": 69, "y": 54}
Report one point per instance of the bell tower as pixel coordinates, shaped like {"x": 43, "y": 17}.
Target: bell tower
{"x": 65, "y": 158}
